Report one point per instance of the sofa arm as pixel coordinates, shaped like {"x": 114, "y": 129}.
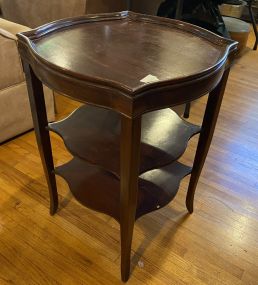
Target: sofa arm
{"x": 14, "y": 101}
{"x": 10, "y": 29}
{"x": 11, "y": 72}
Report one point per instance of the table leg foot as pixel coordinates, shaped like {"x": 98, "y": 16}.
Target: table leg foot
{"x": 126, "y": 243}
{"x": 53, "y": 197}
{"x": 189, "y": 202}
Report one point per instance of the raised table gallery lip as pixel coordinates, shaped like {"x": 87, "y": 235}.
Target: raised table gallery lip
{"x": 67, "y": 22}
{"x": 29, "y": 38}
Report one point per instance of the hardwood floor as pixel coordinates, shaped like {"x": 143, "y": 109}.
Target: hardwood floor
{"x": 217, "y": 244}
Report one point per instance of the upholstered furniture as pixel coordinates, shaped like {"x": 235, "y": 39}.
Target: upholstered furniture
{"x": 15, "y": 115}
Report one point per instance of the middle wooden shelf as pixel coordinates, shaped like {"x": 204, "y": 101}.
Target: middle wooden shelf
{"x": 93, "y": 134}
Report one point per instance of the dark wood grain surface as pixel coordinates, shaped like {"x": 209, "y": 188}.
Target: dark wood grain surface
{"x": 132, "y": 50}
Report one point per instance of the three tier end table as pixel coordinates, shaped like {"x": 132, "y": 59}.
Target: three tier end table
{"x": 129, "y": 70}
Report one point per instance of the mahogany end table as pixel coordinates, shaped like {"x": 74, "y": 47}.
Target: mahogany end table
{"x": 129, "y": 70}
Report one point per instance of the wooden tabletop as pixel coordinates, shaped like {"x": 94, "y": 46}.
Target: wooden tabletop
{"x": 133, "y": 51}
{"x": 128, "y": 52}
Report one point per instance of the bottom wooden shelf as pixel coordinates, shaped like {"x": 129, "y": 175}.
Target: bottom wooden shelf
{"x": 99, "y": 190}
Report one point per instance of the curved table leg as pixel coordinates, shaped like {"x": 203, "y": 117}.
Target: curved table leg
{"x": 39, "y": 115}
{"x": 208, "y": 127}
{"x": 130, "y": 159}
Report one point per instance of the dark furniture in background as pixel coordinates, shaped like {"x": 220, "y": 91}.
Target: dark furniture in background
{"x": 248, "y": 8}
{"x": 204, "y": 13}
{"x": 126, "y": 141}
{"x": 207, "y": 16}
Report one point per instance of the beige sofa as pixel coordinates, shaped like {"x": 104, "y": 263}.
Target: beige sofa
{"x": 14, "y": 105}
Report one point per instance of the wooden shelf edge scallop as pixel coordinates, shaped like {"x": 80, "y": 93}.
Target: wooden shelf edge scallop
{"x": 88, "y": 183}
{"x": 93, "y": 134}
